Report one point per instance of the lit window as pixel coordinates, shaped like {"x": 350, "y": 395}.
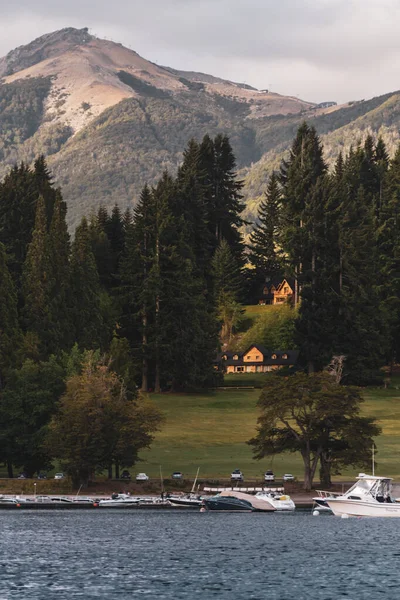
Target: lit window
{"x": 284, "y": 356}
{"x": 274, "y": 357}
{"x": 235, "y": 357}
{"x": 225, "y": 357}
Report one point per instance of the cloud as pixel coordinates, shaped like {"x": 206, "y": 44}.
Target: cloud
{"x": 317, "y": 49}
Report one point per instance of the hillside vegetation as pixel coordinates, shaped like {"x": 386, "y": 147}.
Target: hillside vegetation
{"x": 110, "y": 121}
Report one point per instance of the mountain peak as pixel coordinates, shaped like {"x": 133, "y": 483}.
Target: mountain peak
{"x": 42, "y": 48}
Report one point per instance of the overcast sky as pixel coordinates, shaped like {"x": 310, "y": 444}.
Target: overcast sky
{"x": 315, "y": 49}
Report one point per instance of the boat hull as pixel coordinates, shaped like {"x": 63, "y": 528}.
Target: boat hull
{"x": 227, "y": 504}
{"x": 185, "y": 502}
{"x": 360, "y": 508}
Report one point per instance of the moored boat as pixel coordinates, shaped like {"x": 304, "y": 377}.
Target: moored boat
{"x": 186, "y": 500}
{"x": 120, "y": 500}
{"x": 238, "y": 501}
{"x": 281, "y": 502}
{"x": 370, "y": 496}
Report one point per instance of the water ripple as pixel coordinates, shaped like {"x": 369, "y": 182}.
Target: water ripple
{"x": 174, "y": 555}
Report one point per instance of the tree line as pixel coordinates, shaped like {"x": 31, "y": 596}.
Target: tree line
{"x": 337, "y": 234}
{"x": 146, "y": 296}
{"x": 135, "y": 296}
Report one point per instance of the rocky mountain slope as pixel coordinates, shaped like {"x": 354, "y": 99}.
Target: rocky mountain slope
{"x": 109, "y": 120}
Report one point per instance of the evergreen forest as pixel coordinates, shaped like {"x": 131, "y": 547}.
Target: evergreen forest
{"x": 142, "y": 300}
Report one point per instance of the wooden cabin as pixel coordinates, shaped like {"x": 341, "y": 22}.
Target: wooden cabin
{"x": 256, "y": 359}
{"x": 277, "y": 292}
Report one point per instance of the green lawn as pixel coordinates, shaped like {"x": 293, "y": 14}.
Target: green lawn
{"x": 251, "y": 313}
{"x": 210, "y": 431}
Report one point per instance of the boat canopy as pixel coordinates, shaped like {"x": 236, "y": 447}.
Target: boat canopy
{"x": 370, "y": 485}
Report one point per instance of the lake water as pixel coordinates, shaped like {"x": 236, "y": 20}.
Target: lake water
{"x": 175, "y": 555}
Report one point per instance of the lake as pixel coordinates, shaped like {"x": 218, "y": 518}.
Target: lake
{"x": 108, "y": 554}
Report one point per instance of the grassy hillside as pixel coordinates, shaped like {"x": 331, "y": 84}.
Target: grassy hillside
{"x": 132, "y": 142}
{"x": 210, "y": 431}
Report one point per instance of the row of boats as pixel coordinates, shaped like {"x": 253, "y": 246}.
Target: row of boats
{"x": 224, "y": 500}
{"x": 369, "y": 496}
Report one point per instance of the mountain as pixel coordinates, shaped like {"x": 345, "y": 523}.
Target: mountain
{"x": 109, "y": 120}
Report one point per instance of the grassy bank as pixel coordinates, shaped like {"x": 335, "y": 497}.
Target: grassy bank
{"x": 211, "y": 430}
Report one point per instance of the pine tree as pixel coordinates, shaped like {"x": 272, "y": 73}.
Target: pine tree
{"x": 85, "y": 292}
{"x": 59, "y": 256}
{"x": 361, "y": 327}
{"x": 303, "y": 235}
{"x": 18, "y": 197}
{"x": 10, "y": 336}
{"x": 37, "y": 281}
{"x": 102, "y": 251}
{"x": 228, "y": 283}
{"x": 43, "y": 180}
{"x": 190, "y": 206}
{"x": 264, "y": 253}
{"x": 138, "y": 299}
{"x": 388, "y": 248}
{"x": 224, "y": 199}
{"x": 115, "y": 233}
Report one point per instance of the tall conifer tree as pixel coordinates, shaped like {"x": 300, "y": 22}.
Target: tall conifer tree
{"x": 37, "y": 281}
{"x": 85, "y": 292}
{"x": 264, "y": 253}
{"x": 9, "y": 327}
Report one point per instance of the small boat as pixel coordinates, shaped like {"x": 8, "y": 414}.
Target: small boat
{"x": 370, "y": 496}
{"x": 11, "y": 500}
{"x": 238, "y": 501}
{"x": 281, "y": 502}
{"x": 186, "y": 500}
{"x": 121, "y": 500}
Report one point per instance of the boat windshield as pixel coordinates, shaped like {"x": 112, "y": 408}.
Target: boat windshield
{"x": 370, "y": 487}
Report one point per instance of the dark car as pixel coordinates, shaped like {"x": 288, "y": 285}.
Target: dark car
{"x": 125, "y": 475}
{"x": 42, "y": 476}
{"x": 22, "y": 476}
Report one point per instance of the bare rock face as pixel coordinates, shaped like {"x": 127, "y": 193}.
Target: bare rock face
{"x": 47, "y": 46}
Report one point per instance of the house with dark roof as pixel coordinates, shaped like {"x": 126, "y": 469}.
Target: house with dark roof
{"x": 256, "y": 359}
{"x": 277, "y": 291}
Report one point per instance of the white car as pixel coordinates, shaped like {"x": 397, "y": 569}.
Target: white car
{"x": 269, "y": 476}
{"x": 59, "y": 476}
{"x": 288, "y": 477}
{"x": 237, "y": 475}
{"x": 142, "y": 477}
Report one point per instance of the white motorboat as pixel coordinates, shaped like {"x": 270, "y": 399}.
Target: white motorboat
{"x": 119, "y": 500}
{"x": 278, "y": 501}
{"x": 186, "y": 500}
{"x": 370, "y": 496}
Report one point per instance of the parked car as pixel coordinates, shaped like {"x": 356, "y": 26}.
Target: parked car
{"x": 59, "y": 476}
{"x": 288, "y": 477}
{"x": 237, "y": 475}
{"x": 22, "y": 476}
{"x": 176, "y": 475}
{"x": 125, "y": 474}
{"x": 269, "y": 476}
{"x": 142, "y": 477}
{"x": 42, "y": 476}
